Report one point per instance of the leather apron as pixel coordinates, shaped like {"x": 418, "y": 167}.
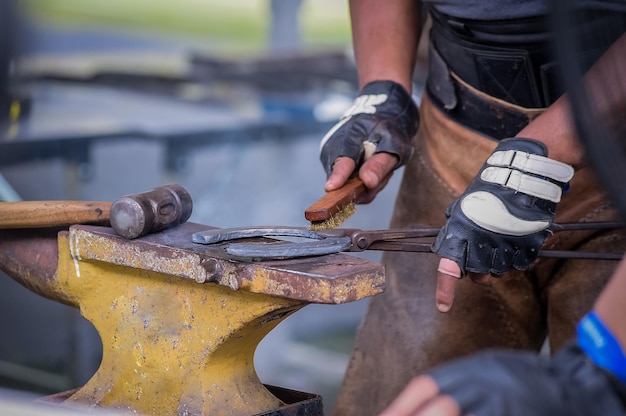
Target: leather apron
{"x": 404, "y": 335}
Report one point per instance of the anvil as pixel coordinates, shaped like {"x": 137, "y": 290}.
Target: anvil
{"x": 179, "y": 321}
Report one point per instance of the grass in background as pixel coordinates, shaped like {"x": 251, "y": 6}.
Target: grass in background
{"x": 325, "y": 22}
{"x": 241, "y": 22}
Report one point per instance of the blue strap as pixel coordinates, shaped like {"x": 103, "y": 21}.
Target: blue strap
{"x": 601, "y": 346}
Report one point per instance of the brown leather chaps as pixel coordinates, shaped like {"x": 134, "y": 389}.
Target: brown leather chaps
{"x": 403, "y": 334}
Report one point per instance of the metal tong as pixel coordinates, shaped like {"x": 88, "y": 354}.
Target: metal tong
{"x": 336, "y": 240}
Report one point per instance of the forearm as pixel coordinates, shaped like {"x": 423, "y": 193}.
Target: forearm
{"x": 606, "y": 89}
{"x": 385, "y": 36}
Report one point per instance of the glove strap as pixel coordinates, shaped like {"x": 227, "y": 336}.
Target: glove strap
{"x": 601, "y": 346}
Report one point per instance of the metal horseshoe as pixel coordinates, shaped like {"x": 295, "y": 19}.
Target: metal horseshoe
{"x": 321, "y": 244}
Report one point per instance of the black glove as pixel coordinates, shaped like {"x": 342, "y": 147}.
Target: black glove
{"x": 503, "y": 217}
{"x": 522, "y": 383}
{"x": 384, "y": 118}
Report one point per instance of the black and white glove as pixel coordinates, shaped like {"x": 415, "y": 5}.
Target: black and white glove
{"x": 503, "y": 217}
{"x": 383, "y": 118}
{"x": 516, "y": 383}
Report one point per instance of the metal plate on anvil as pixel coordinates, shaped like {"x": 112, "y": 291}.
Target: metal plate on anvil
{"x": 334, "y": 278}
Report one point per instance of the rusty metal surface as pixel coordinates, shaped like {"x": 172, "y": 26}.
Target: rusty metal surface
{"x": 179, "y": 321}
{"x": 336, "y": 278}
{"x": 170, "y": 344}
{"x": 30, "y": 257}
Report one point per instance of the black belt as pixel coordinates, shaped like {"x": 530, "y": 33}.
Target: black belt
{"x": 507, "y": 60}
{"x": 463, "y": 105}
{"x": 513, "y": 60}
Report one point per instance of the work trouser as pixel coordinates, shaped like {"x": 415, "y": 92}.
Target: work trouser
{"x": 403, "y": 334}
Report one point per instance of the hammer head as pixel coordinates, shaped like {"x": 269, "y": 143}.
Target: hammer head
{"x": 136, "y": 215}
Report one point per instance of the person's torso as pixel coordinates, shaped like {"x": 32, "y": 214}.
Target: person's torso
{"x": 504, "y": 48}
{"x": 514, "y": 9}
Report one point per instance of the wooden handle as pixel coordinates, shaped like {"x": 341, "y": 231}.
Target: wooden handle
{"x": 36, "y": 214}
{"x": 334, "y": 201}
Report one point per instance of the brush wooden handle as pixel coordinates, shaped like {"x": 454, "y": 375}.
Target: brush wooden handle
{"x": 36, "y": 214}
{"x": 334, "y": 201}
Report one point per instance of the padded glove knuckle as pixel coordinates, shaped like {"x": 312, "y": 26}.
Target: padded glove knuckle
{"x": 384, "y": 116}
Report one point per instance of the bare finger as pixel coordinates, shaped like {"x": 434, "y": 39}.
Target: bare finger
{"x": 377, "y": 168}
{"x": 440, "y": 406}
{"x": 369, "y": 194}
{"x": 414, "y": 396}
{"x": 342, "y": 170}
{"x": 448, "y": 274}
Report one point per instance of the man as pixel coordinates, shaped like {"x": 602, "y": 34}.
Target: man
{"x": 491, "y": 77}
{"x": 588, "y": 376}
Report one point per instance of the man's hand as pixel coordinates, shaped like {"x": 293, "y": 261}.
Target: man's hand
{"x": 512, "y": 383}
{"x": 375, "y": 174}
{"x": 374, "y": 135}
{"x": 502, "y": 219}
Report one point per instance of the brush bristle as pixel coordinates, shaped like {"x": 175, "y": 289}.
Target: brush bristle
{"x": 336, "y": 220}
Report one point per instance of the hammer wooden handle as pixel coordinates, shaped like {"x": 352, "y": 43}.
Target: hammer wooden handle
{"x": 35, "y": 214}
{"x": 334, "y": 201}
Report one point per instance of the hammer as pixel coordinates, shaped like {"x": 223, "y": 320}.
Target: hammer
{"x": 131, "y": 216}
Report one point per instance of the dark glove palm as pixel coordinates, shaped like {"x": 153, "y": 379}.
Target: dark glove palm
{"x": 521, "y": 383}
{"x": 383, "y": 117}
{"x": 503, "y": 217}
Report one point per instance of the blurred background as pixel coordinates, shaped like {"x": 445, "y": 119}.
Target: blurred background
{"x": 229, "y": 98}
